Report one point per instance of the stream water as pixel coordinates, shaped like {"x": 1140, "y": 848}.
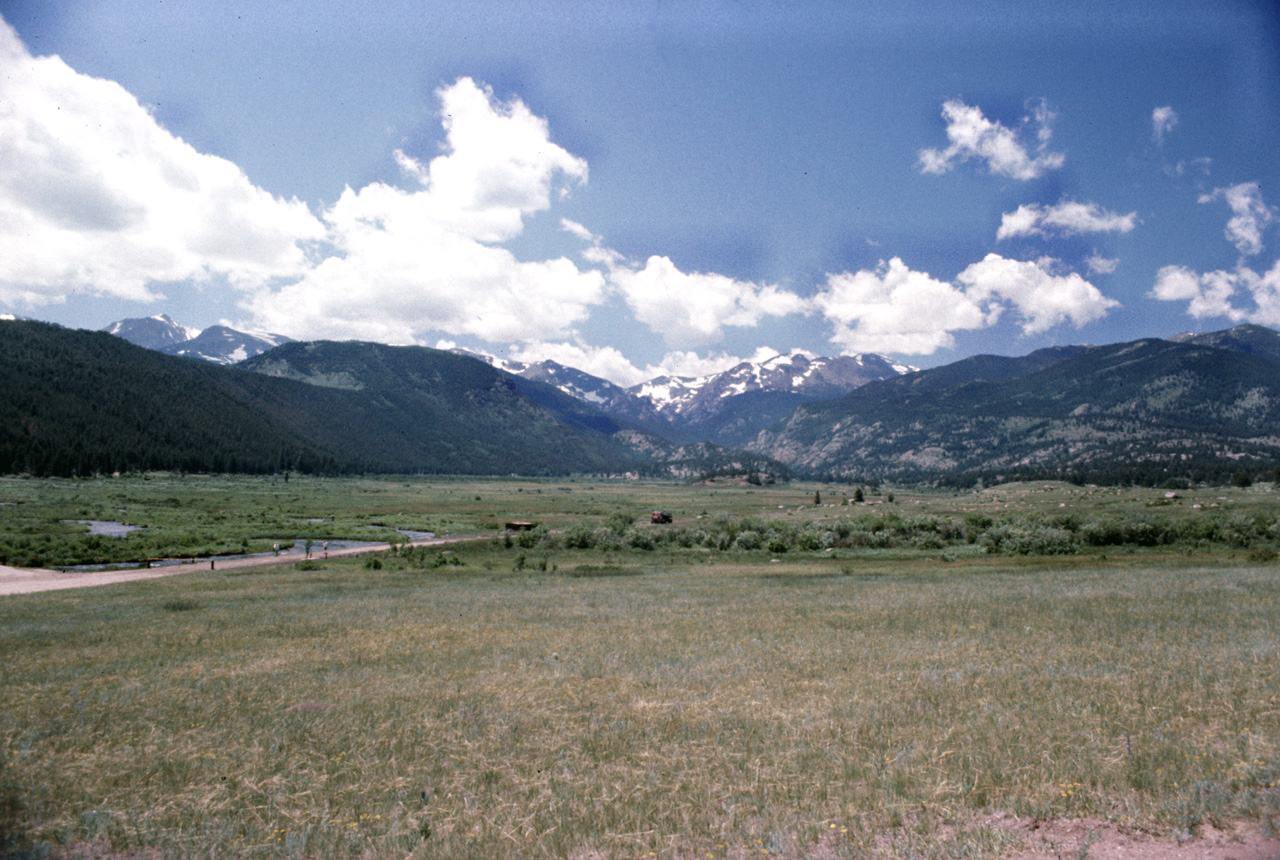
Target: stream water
{"x": 109, "y": 528}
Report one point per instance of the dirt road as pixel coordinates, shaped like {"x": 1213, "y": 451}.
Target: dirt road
{"x": 23, "y": 580}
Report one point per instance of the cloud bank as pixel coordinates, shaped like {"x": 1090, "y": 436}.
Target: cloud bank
{"x": 1040, "y": 298}
{"x": 1216, "y": 294}
{"x": 692, "y": 309}
{"x": 430, "y": 259}
{"x": 96, "y": 197}
{"x": 895, "y": 309}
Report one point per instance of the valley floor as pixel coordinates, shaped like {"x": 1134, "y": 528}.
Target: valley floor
{"x": 600, "y": 689}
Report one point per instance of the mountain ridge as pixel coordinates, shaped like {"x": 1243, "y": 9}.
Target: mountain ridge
{"x": 729, "y": 407}
{"x": 1150, "y": 407}
{"x": 217, "y": 344}
{"x": 79, "y": 402}
{"x": 1194, "y": 403}
{"x": 418, "y": 377}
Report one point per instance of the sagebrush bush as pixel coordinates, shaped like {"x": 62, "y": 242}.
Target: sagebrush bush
{"x": 1022, "y": 539}
{"x": 1034, "y": 533}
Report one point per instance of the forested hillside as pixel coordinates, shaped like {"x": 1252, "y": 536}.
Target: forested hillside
{"x": 78, "y": 402}
{"x": 1142, "y": 411}
{"x": 440, "y": 412}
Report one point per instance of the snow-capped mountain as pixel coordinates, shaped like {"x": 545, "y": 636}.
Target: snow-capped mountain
{"x": 600, "y": 393}
{"x": 222, "y": 345}
{"x": 217, "y": 344}
{"x": 810, "y": 378}
{"x": 155, "y": 332}
{"x": 577, "y": 383}
{"x": 732, "y": 407}
{"x": 729, "y": 408}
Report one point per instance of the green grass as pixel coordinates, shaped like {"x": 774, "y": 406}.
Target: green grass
{"x": 673, "y": 702}
{"x": 200, "y": 515}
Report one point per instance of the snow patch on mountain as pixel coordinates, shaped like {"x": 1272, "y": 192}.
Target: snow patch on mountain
{"x": 217, "y": 344}
{"x": 153, "y": 332}
{"x": 803, "y": 373}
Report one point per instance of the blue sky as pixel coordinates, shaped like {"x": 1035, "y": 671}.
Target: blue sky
{"x": 648, "y": 187}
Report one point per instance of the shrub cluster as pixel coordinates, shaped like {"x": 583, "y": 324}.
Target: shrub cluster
{"x": 1030, "y": 535}
{"x": 1014, "y": 535}
{"x": 426, "y": 558}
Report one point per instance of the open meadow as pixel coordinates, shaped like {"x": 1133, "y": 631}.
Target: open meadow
{"x": 778, "y": 673}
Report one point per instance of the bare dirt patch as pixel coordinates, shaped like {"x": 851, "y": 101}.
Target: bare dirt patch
{"x": 1060, "y": 838}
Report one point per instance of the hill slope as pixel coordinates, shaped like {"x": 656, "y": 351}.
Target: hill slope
{"x": 1253, "y": 339}
{"x": 446, "y": 412}
{"x": 77, "y": 402}
{"x": 1134, "y": 410}
{"x": 465, "y": 401}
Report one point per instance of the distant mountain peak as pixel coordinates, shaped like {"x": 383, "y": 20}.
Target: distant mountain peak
{"x": 218, "y": 344}
{"x": 799, "y": 372}
{"x": 728, "y": 407}
{"x": 1247, "y": 337}
{"x": 153, "y": 332}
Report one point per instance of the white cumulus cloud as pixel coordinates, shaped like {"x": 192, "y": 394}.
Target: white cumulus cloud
{"x": 1067, "y": 218}
{"x": 1042, "y": 298}
{"x": 1163, "y": 119}
{"x": 1250, "y": 215}
{"x": 412, "y": 261}
{"x": 96, "y": 196}
{"x": 895, "y": 309}
{"x": 972, "y": 135}
{"x": 691, "y": 309}
{"x": 606, "y": 362}
{"x": 1215, "y": 294}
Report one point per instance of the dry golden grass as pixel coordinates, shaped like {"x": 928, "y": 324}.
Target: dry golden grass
{"x": 729, "y": 709}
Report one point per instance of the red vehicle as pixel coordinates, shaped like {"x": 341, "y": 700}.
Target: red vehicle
{"x": 659, "y": 517}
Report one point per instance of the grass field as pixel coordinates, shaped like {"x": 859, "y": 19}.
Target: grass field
{"x": 680, "y": 701}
